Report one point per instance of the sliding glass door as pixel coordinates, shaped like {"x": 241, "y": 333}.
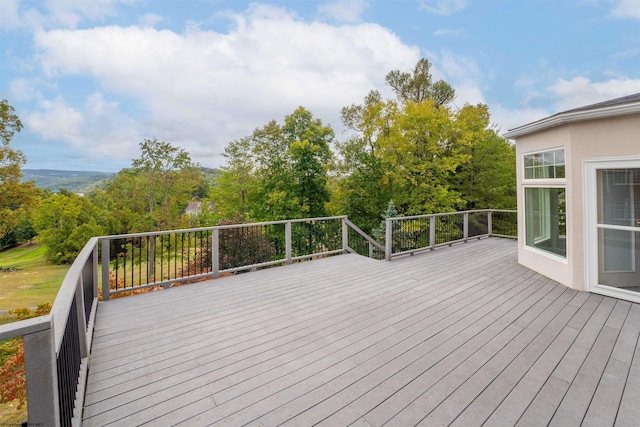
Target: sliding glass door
{"x": 613, "y": 247}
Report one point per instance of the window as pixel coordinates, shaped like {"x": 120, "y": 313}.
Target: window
{"x": 544, "y": 165}
{"x": 545, "y": 219}
{"x": 545, "y": 206}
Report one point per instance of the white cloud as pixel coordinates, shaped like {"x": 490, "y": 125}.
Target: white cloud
{"x": 348, "y": 11}
{"x": 626, "y": 9}
{"x": 55, "y": 13}
{"x": 448, "y": 32}
{"x": 99, "y": 128}
{"x": 201, "y": 89}
{"x": 562, "y": 96}
{"x": 463, "y": 74}
{"x": 149, "y": 19}
{"x": 442, "y": 7}
{"x": 22, "y": 90}
{"x": 510, "y": 118}
{"x": 581, "y": 91}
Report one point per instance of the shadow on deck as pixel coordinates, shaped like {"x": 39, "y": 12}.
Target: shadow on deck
{"x": 462, "y": 335}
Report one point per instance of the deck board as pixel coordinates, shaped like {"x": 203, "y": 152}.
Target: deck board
{"x": 461, "y": 335}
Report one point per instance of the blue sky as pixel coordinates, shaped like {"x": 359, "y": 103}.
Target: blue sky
{"x": 91, "y": 79}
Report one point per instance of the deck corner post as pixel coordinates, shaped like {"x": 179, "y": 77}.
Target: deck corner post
{"x": 287, "y": 241}
{"x": 489, "y": 223}
{"x": 94, "y": 271}
{"x": 465, "y": 227}
{"x": 345, "y": 235}
{"x": 215, "y": 253}
{"x": 106, "y": 292}
{"x": 388, "y": 241}
{"x": 42, "y": 377}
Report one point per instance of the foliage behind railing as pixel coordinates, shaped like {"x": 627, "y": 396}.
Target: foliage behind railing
{"x": 407, "y": 235}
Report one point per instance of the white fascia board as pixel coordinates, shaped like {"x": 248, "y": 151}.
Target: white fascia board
{"x": 569, "y": 117}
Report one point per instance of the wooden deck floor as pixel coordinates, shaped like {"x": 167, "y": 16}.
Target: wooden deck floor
{"x": 460, "y": 336}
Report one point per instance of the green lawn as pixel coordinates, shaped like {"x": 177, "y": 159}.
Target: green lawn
{"x": 35, "y": 282}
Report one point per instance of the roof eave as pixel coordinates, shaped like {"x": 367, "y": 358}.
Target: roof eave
{"x": 576, "y": 116}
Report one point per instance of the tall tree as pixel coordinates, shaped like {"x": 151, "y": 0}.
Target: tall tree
{"x": 16, "y": 198}
{"x": 419, "y": 86}
{"x": 364, "y": 188}
{"x": 236, "y": 185}
{"x": 279, "y": 172}
{"x": 153, "y": 193}
{"x": 309, "y": 147}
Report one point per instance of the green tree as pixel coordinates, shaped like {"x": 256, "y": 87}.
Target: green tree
{"x": 488, "y": 179}
{"x": 309, "y": 147}
{"x": 235, "y": 188}
{"x": 153, "y": 193}
{"x": 16, "y": 198}
{"x": 279, "y": 172}
{"x": 64, "y": 222}
{"x": 364, "y": 188}
{"x": 419, "y": 85}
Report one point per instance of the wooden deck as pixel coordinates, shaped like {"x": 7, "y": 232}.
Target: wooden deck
{"x": 460, "y": 336}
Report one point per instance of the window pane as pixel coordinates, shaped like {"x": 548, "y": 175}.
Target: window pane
{"x": 545, "y": 218}
{"x": 618, "y": 197}
{"x": 545, "y": 165}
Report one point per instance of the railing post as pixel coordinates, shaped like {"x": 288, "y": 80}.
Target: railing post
{"x": 215, "y": 253}
{"x": 94, "y": 269}
{"x": 432, "y": 232}
{"x": 42, "y": 377}
{"x": 489, "y": 223}
{"x": 345, "y": 235}
{"x": 287, "y": 241}
{"x": 465, "y": 226}
{"x": 105, "y": 270}
{"x": 388, "y": 240}
{"x": 81, "y": 319}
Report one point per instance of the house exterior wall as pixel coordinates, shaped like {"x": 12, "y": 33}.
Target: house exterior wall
{"x": 544, "y": 263}
{"x": 608, "y": 138}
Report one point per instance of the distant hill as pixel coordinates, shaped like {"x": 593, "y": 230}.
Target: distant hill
{"x": 74, "y": 181}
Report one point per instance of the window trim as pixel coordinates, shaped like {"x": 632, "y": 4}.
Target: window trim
{"x": 552, "y": 185}
{"x": 554, "y": 181}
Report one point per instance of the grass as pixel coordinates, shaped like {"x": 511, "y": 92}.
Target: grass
{"x": 35, "y": 282}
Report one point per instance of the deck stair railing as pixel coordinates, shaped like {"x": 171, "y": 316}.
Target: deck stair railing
{"x": 412, "y": 234}
{"x": 57, "y": 346}
{"x": 133, "y": 262}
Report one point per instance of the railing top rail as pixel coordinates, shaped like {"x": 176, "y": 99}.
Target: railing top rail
{"x": 217, "y": 227}
{"x": 449, "y": 213}
{"x": 61, "y": 305}
{"x": 66, "y": 294}
{"x": 25, "y": 327}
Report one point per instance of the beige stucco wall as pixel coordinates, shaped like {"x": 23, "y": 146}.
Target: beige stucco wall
{"x": 609, "y": 138}
{"x": 547, "y": 264}
{"x": 617, "y": 137}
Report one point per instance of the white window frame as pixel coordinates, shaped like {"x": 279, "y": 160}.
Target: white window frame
{"x": 590, "y": 168}
{"x": 544, "y": 183}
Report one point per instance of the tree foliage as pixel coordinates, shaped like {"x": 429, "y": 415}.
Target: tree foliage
{"x": 419, "y": 85}
{"x": 153, "y": 193}
{"x": 279, "y": 172}
{"x": 16, "y": 198}
{"x": 65, "y": 222}
{"x": 426, "y": 155}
